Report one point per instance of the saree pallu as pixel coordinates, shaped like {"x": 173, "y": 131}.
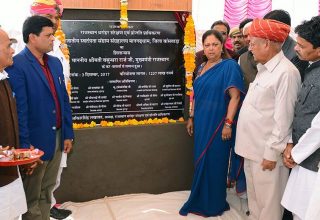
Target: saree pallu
{"x": 211, "y": 153}
{"x": 236, "y": 176}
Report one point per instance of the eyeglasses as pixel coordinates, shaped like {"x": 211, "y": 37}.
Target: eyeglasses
{"x": 223, "y": 33}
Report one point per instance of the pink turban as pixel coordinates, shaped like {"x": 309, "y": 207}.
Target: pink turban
{"x": 46, "y": 7}
{"x": 269, "y": 29}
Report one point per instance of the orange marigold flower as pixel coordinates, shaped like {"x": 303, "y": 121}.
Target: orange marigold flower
{"x": 189, "y": 51}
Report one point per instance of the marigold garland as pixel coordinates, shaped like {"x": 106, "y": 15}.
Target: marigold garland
{"x": 189, "y": 51}
{"x": 127, "y": 122}
{"x": 123, "y": 14}
{"x": 64, "y": 48}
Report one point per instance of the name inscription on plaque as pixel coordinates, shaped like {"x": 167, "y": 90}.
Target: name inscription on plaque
{"x": 116, "y": 74}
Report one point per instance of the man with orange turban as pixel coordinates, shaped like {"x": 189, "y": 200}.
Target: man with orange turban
{"x": 53, "y": 9}
{"x": 265, "y": 119}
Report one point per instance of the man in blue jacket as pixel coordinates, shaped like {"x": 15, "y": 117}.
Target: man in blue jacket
{"x": 44, "y": 112}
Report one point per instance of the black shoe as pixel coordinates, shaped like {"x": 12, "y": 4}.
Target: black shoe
{"x": 59, "y": 213}
{"x": 66, "y": 212}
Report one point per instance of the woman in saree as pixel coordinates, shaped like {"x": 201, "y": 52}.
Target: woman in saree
{"x": 217, "y": 95}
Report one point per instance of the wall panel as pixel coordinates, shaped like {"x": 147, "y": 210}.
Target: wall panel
{"x": 149, "y": 5}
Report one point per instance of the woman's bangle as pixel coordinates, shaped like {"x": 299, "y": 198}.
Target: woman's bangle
{"x": 228, "y": 121}
{"x": 190, "y": 116}
{"x": 228, "y": 125}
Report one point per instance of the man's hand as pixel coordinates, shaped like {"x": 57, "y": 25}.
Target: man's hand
{"x": 190, "y": 126}
{"x": 268, "y": 164}
{"x": 287, "y": 157}
{"x": 29, "y": 168}
{"x": 67, "y": 145}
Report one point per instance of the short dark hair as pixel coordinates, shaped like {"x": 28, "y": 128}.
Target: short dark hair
{"x": 218, "y": 35}
{"x": 279, "y": 15}
{"x": 244, "y": 22}
{"x": 34, "y": 25}
{"x": 220, "y": 22}
{"x": 310, "y": 31}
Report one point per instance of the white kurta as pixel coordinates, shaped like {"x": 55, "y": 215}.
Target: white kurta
{"x": 12, "y": 200}
{"x": 313, "y": 210}
{"x": 3, "y": 75}
{"x": 264, "y": 124}
{"x": 56, "y": 52}
{"x": 263, "y": 130}
{"x": 302, "y": 183}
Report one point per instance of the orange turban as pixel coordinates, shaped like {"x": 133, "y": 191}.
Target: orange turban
{"x": 269, "y": 29}
{"x": 46, "y": 7}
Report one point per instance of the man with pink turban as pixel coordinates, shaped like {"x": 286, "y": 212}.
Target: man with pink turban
{"x": 265, "y": 119}
{"x": 52, "y": 9}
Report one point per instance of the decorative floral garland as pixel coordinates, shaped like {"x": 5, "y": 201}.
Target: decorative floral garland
{"x": 127, "y": 122}
{"x": 123, "y": 14}
{"x": 189, "y": 51}
{"x": 64, "y": 48}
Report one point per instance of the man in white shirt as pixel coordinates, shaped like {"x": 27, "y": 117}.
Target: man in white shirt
{"x": 12, "y": 196}
{"x": 303, "y": 151}
{"x": 264, "y": 124}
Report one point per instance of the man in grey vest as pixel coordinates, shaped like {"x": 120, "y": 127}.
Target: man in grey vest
{"x": 303, "y": 154}
{"x": 289, "y": 44}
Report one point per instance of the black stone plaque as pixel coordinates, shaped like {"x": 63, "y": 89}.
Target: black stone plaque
{"x": 120, "y": 74}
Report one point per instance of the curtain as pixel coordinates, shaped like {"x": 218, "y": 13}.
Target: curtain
{"x": 236, "y": 11}
{"x": 258, "y": 8}
{"x": 299, "y": 10}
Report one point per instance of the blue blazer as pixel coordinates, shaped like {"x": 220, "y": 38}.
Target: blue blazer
{"x": 35, "y": 103}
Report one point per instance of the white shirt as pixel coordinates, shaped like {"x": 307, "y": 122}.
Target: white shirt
{"x": 308, "y": 144}
{"x": 3, "y": 75}
{"x": 313, "y": 210}
{"x": 12, "y": 200}
{"x": 56, "y": 52}
{"x": 302, "y": 190}
{"x": 265, "y": 119}
{"x": 309, "y": 141}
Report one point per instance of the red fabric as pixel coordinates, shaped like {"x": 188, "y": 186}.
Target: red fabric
{"x": 46, "y": 7}
{"x": 48, "y": 75}
{"x": 181, "y": 17}
{"x": 269, "y": 29}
